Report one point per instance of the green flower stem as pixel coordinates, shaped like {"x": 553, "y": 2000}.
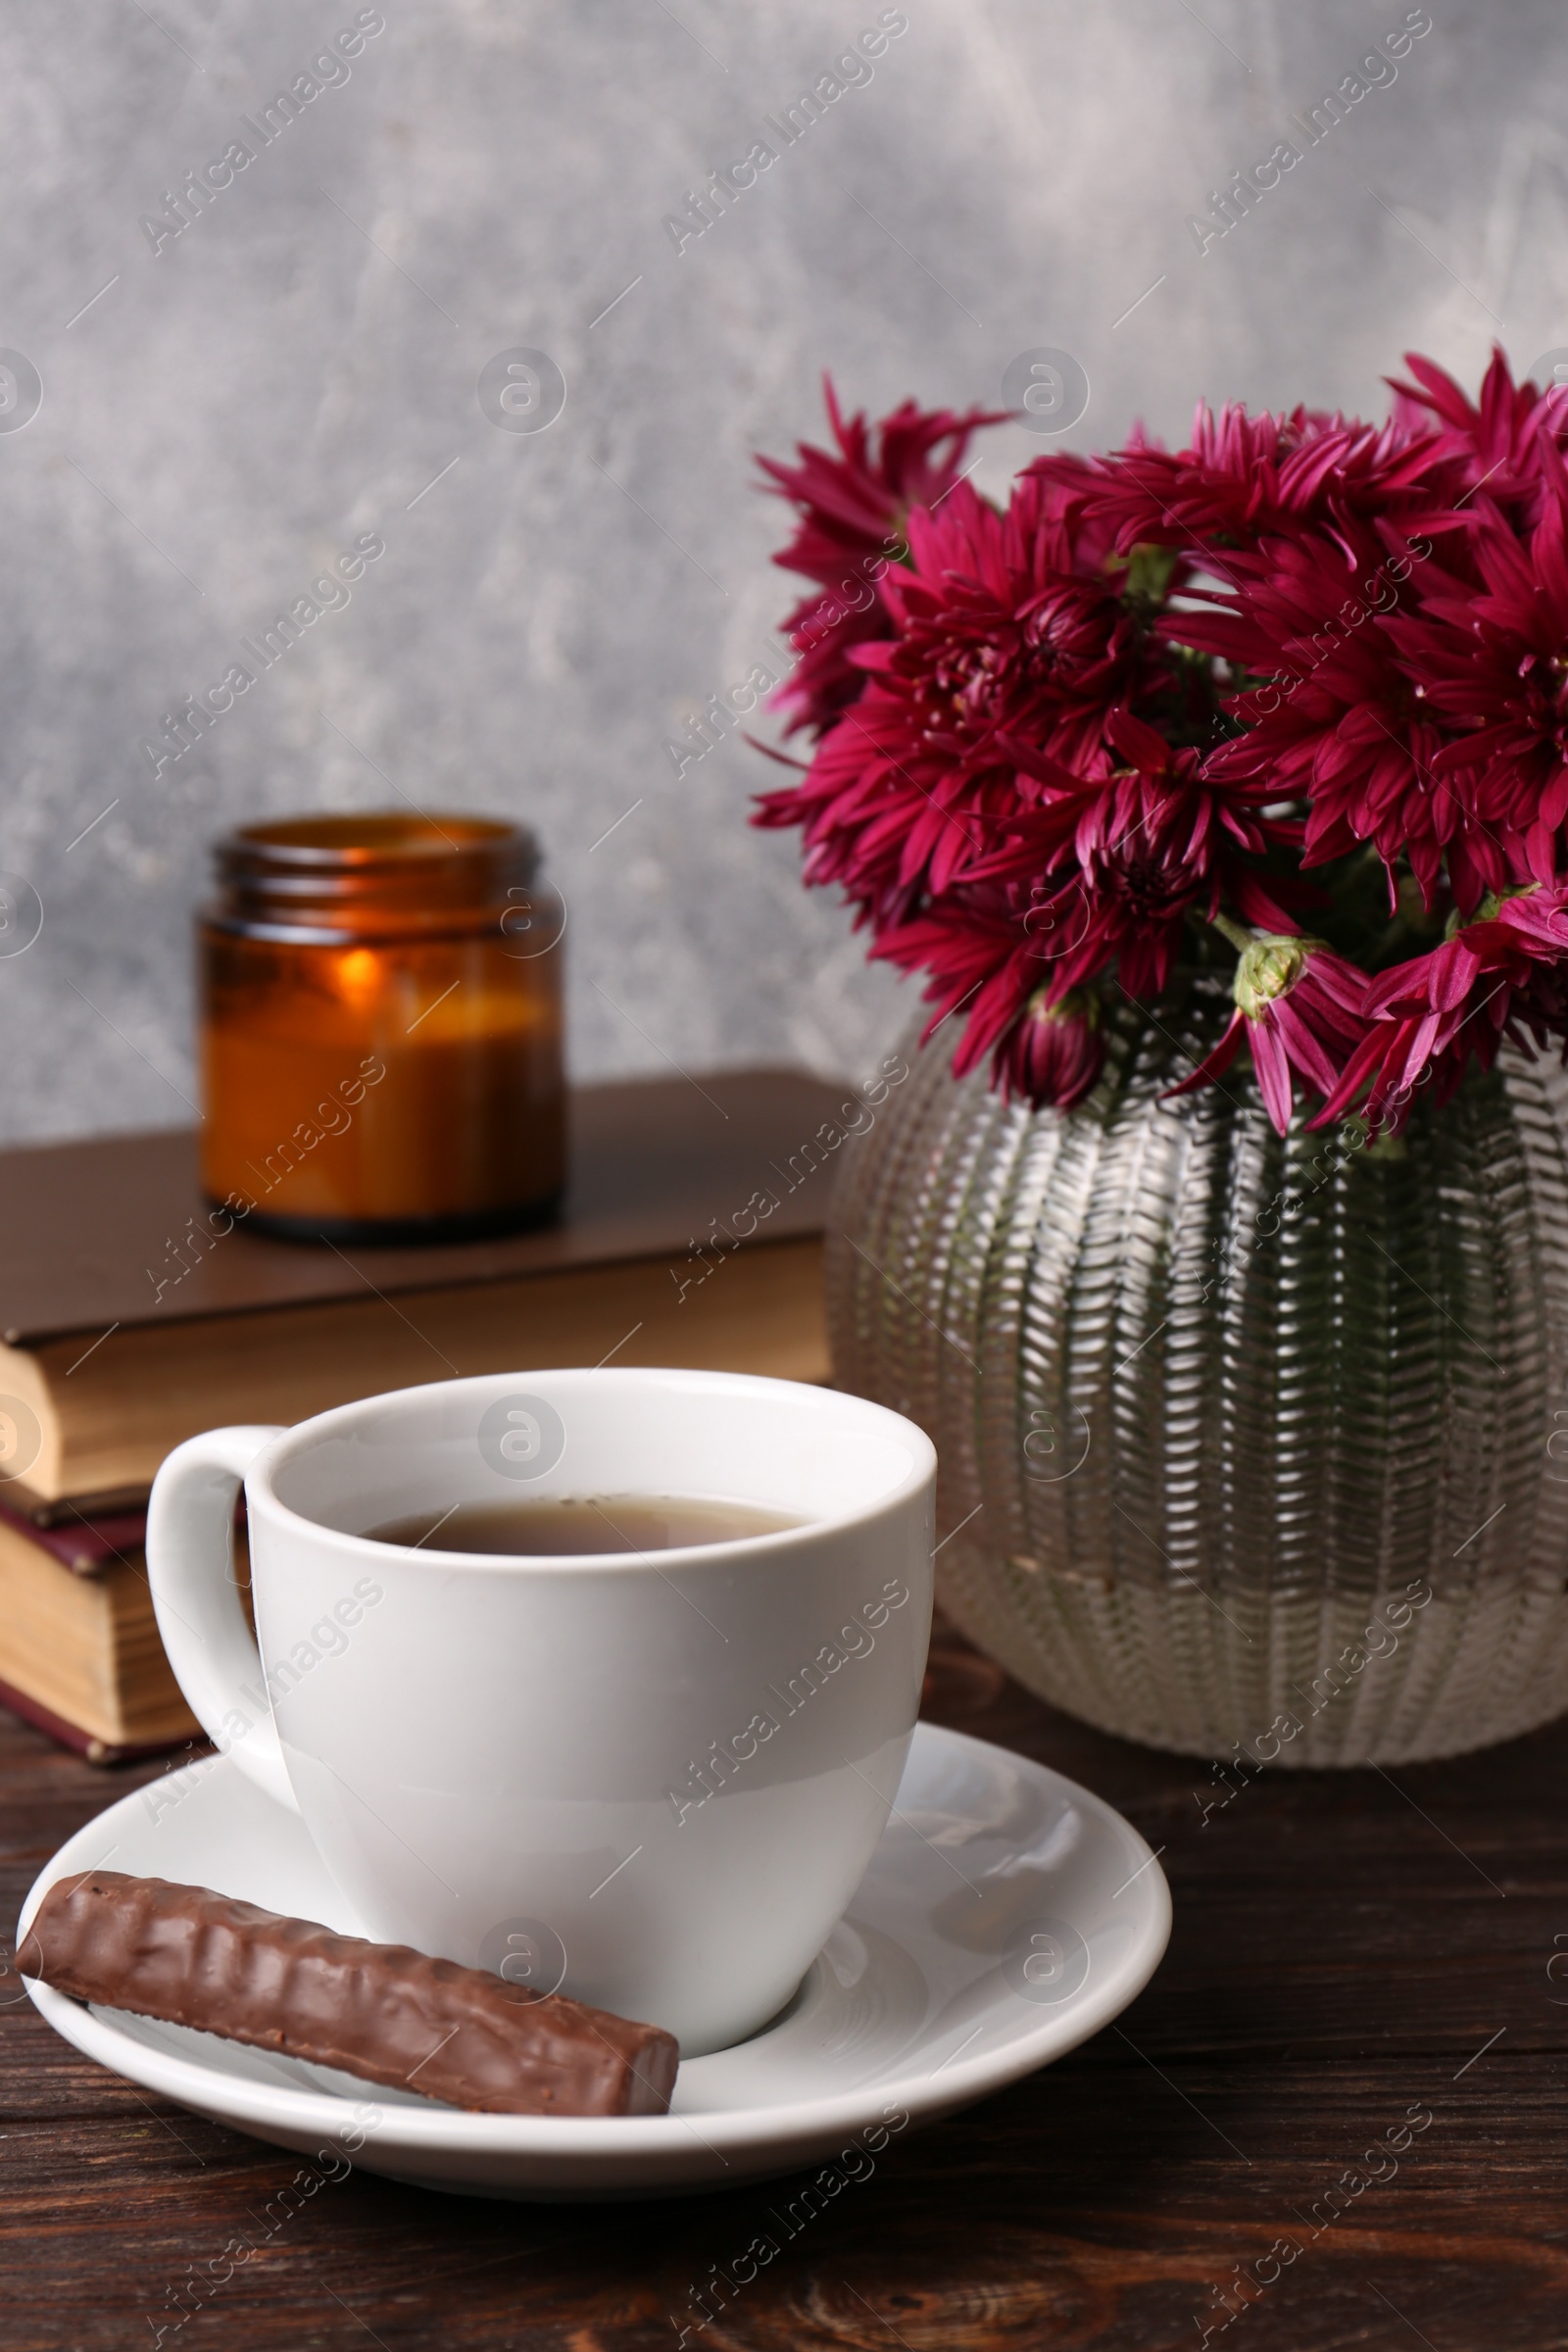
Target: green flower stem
{"x": 1239, "y": 937}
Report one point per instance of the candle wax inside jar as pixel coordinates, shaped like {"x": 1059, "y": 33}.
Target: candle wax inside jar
{"x": 405, "y": 1082}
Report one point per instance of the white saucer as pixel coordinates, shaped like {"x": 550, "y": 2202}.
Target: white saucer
{"x": 1006, "y": 1915}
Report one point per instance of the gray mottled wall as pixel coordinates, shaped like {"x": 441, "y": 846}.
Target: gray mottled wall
{"x": 294, "y": 369}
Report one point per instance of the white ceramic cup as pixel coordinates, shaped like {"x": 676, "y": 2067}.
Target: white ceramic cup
{"x": 652, "y": 1780}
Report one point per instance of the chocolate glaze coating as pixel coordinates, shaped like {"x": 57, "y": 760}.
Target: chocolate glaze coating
{"x": 378, "y": 2010}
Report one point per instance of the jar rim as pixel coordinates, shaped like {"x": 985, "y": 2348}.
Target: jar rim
{"x": 388, "y": 840}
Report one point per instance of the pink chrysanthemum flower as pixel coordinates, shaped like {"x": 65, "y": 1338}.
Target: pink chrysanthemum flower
{"x": 1115, "y": 862}
{"x": 1299, "y": 1007}
{"x": 1331, "y": 715}
{"x": 1103, "y": 872}
{"x": 1004, "y": 635}
{"x": 1055, "y": 1053}
{"x": 1492, "y": 661}
{"x": 1169, "y": 699}
{"x": 853, "y": 510}
{"x": 1497, "y": 443}
{"x": 1500, "y": 976}
{"x": 1243, "y": 478}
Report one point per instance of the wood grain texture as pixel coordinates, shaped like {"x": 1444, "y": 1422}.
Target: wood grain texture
{"x": 1344, "y": 1947}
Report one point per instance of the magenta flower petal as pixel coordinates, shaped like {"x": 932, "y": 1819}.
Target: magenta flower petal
{"x": 1165, "y": 694}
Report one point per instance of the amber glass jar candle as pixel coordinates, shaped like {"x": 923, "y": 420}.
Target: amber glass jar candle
{"x": 380, "y": 1028}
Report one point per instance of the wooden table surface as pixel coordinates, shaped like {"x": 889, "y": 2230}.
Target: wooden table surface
{"x": 1359, "y": 1964}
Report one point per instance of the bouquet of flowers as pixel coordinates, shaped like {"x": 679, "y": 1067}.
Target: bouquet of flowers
{"x": 1290, "y": 702}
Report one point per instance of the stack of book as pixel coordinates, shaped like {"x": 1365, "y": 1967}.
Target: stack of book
{"x": 133, "y": 1315}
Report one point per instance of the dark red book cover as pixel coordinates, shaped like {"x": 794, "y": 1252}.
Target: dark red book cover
{"x": 79, "y": 1540}
{"x": 71, "y": 1735}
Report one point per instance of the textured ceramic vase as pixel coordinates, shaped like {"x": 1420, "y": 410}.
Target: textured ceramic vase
{"x": 1245, "y": 1441}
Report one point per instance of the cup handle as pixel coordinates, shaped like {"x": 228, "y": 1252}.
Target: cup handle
{"x": 190, "y": 1521}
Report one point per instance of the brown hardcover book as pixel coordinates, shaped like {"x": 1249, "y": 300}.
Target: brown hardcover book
{"x": 79, "y": 1653}
{"x": 133, "y": 1315}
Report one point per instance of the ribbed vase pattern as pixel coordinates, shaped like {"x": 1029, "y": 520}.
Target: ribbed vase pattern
{"x": 1252, "y": 1447}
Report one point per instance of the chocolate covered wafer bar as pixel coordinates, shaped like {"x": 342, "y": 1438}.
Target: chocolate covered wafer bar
{"x": 378, "y": 2010}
